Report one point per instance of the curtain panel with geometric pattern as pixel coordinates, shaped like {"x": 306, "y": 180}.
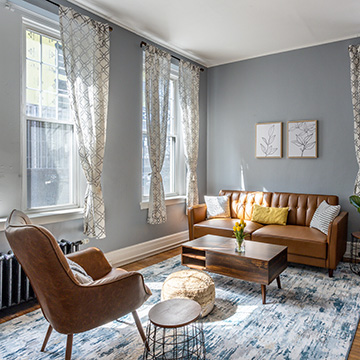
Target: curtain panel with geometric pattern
{"x": 157, "y": 85}
{"x": 189, "y": 80}
{"x": 354, "y": 52}
{"x": 86, "y": 49}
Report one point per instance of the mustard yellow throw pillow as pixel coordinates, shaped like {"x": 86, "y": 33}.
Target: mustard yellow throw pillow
{"x": 270, "y": 215}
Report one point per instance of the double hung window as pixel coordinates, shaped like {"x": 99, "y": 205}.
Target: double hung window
{"x": 173, "y": 168}
{"x": 51, "y": 166}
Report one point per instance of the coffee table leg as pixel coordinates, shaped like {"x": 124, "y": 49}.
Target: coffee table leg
{"x": 278, "y": 282}
{"x": 263, "y": 293}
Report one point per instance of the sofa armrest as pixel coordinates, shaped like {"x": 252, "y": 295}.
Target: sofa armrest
{"x": 196, "y": 214}
{"x": 337, "y": 239}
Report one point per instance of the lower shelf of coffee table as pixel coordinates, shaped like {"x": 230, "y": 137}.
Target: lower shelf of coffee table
{"x": 193, "y": 258}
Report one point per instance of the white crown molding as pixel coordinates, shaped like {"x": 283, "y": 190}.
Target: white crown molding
{"x": 284, "y": 50}
{"x": 107, "y": 16}
{"x": 140, "y": 251}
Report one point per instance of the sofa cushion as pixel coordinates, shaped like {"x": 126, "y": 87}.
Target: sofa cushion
{"x": 301, "y": 206}
{"x": 300, "y": 240}
{"x": 270, "y": 215}
{"x": 242, "y": 202}
{"x": 222, "y": 227}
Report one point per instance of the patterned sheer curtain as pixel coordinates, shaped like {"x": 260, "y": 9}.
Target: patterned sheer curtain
{"x": 189, "y": 80}
{"x": 354, "y": 51}
{"x": 157, "y": 84}
{"x": 86, "y": 48}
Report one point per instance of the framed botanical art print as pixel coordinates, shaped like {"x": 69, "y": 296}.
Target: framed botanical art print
{"x": 268, "y": 140}
{"x": 302, "y": 139}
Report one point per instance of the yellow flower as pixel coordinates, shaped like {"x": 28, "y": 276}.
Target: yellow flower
{"x": 234, "y": 228}
{"x": 242, "y": 221}
{"x": 238, "y": 228}
{"x": 237, "y": 224}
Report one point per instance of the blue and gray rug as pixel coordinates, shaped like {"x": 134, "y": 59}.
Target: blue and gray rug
{"x": 311, "y": 317}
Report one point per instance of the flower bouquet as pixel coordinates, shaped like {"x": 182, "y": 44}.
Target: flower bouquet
{"x": 240, "y": 235}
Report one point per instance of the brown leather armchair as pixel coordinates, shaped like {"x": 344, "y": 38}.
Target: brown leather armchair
{"x": 68, "y": 306}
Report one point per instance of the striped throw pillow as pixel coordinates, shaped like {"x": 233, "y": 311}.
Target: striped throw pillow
{"x": 323, "y": 216}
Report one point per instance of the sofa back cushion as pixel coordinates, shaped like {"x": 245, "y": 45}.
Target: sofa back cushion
{"x": 301, "y": 206}
{"x": 242, "y": 202}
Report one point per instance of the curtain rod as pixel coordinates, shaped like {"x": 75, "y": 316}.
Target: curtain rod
{"x": 143, "y": 43}
{"x": 56, "y": 4}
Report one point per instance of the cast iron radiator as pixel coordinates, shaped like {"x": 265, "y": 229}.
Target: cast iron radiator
{"x": 15, "y": 286}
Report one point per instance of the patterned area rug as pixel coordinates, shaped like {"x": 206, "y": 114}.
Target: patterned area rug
{"x": 311, "y": 317}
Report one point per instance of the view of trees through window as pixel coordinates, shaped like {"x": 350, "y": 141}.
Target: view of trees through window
{"x": 49, "y": 130}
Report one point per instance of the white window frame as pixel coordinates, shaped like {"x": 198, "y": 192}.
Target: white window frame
{"x": 178, "y": 167}
{"x": 77, "y": 177}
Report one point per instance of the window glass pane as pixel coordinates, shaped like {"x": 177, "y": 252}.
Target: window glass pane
{"x": 48, "y": 105}
{"x": 49, "y": 50}
{"x": 32, "y": 45}
{"x": 171, "y": 122}
{"x": 48, "y": 78}
{"x": 63, "y": 108}
{"x": 49, "y": 159}
{"x": 62, "y": 87}
{"x": 146, "y": 168}
{"x": 167, "y": 170}
{"x": 32, "y": 103}
{"x": 32, "y": 75}
{"x": 60, "y": 55}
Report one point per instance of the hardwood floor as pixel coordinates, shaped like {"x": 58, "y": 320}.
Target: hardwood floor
{"x": 354, "y": 352}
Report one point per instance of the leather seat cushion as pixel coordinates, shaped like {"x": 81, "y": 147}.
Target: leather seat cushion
{"x": 300, "y": 240}
{"x": 222, "y": 227}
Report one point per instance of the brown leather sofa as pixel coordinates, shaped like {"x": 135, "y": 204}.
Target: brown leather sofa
{"x": 305, "y": 245}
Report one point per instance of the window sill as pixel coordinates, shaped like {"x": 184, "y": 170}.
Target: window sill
{"x": 51, "y": 217}
{"x": 168, "y": 201}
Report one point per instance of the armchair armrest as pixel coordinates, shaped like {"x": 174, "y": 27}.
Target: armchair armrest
{"x": 111, "y": 297}
{"x": 337, "y": 239}
{"x": 93, "y": 261}
{"x": 196, "y": 214}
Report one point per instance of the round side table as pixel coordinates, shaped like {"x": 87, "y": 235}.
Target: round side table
{"x": 172, "y": 332}
{"x": 355, "y": 252}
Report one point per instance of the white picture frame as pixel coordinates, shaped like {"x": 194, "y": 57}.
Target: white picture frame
{"x": 302, "y": 139}
{"x": 268, "y": 140}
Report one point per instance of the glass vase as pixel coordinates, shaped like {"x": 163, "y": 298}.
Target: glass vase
{"x": 240, "y": 245}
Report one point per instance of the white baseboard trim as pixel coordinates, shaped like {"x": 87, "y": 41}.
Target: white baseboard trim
{"x": 140, "y": 251}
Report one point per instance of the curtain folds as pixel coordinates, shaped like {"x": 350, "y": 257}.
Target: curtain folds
{"x": 189, "y": 79}
{"x": 157, "y": 84}
{"x": 354, "y": 52}
{"x": 86, "y": 49}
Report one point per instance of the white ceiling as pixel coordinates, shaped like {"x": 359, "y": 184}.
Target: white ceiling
{"x": 214, "y": 32}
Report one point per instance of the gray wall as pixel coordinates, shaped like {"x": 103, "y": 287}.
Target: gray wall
{"x": 125, "y": 222}
{"x": 306, "y": 84}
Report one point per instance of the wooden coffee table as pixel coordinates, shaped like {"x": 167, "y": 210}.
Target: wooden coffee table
{"x": 261, "y": 263}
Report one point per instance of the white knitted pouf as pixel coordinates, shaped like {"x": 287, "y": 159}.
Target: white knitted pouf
{"x": 191, "y": 284}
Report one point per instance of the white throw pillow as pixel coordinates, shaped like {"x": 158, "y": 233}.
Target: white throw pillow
{"x": 217, "y": 206}
{"x": 323, "y": 216}
{"x": 80, "y": 274}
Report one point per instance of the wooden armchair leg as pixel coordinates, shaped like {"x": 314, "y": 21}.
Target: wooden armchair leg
{"x": 69, "y": 343}
{"x": 47, "y": 336}
{"x": 140, "y": 328}
{"x": 331, "y": 273}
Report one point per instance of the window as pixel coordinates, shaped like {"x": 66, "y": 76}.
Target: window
{"x": 173, "y": 168}
{"x": 50, "y": 175}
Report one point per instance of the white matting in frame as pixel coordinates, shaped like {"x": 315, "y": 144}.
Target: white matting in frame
{"x": 268, "y": 140}
{"x": 302, "y": 139}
